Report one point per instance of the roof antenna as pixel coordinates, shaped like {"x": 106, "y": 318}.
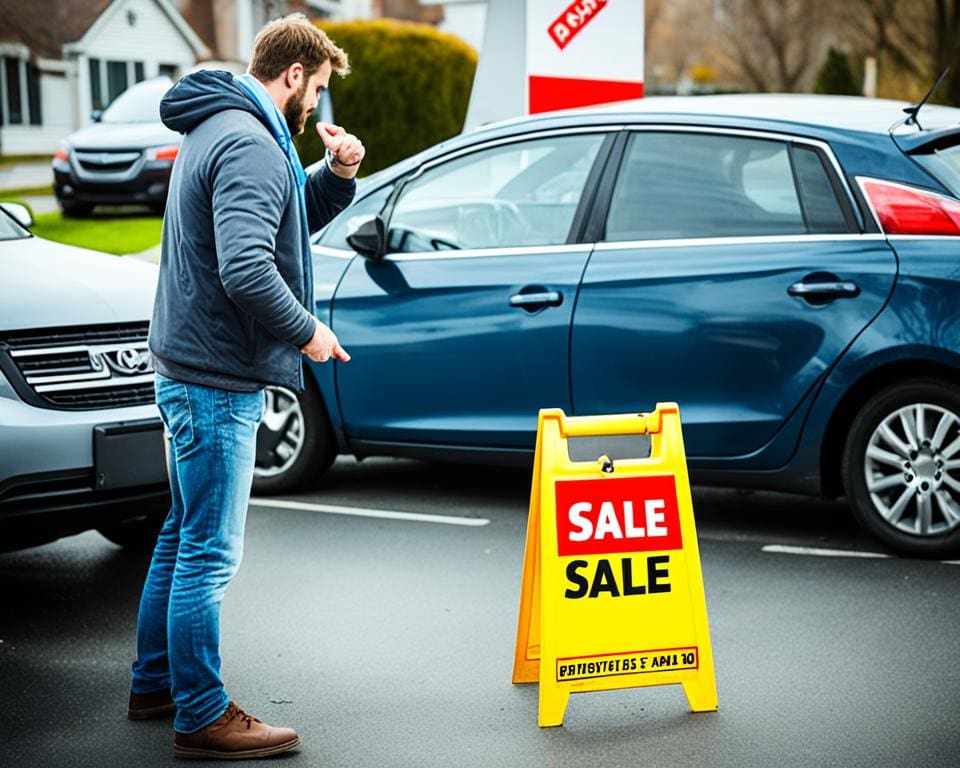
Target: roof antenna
{"x": 915, "y": 108}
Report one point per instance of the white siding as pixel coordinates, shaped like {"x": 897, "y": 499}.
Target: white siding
{"x": 152, "y": 38}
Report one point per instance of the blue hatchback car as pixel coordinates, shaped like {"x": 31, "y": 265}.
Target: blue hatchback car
{"x": 786, "y": 268}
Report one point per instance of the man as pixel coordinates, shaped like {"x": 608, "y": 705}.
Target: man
{"x": 233, "y": 312}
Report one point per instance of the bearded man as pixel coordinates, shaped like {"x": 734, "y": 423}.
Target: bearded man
{"x": 233, "y": 313}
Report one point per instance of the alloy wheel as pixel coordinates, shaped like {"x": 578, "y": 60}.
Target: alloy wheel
{"x": 281, "y": 435}
{"x": 912, "y": 469}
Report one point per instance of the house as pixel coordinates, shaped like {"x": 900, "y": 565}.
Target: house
{"x": 63, "y": 59}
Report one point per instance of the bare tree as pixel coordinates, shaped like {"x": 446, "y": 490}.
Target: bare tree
{"x": 776, "y": 44}
{"x": 652, "y": 11}
{"x": 918, "y": 37}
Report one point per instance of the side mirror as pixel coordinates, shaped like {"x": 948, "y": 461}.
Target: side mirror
{"x": 19, "y": 212}
{"x": 96, "y": 114}
{"x": 368, "y": 237}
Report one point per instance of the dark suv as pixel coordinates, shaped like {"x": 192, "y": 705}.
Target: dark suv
{"x": 125, "y": 157}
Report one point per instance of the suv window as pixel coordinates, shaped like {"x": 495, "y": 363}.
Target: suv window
{"x": 524, "y": 193}
{"x": 683, "y": 185}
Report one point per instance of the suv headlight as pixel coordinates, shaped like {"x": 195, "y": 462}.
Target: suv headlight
{"x": 62, "y": 157}
{"x": 163, "y": 154}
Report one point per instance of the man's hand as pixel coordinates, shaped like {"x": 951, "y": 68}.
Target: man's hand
{"x": 346, "y": 150}
{"x": 324, "y": 345}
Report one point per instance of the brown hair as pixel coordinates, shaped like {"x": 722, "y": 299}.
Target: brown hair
{"x": 291, "y": 39}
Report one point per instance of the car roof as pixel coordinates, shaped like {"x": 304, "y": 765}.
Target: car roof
{"x": 855, "y": 113}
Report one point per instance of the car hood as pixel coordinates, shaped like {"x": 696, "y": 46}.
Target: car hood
{"x": 47, "y": 285}
{"x": 123, "y": 136}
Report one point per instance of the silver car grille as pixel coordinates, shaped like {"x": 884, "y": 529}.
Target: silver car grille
{"x": 83, "y": 368}
{"x": 106, "y": 162}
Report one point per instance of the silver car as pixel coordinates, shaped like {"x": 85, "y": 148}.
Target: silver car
{"x": 80, "y": 435}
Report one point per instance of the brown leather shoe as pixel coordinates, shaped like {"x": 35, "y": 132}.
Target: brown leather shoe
{"x": 147, "y": 706}
{"x": 233, "y": 736}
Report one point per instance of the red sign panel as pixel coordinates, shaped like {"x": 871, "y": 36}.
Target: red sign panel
{"x": 630, "y": 514}
{"x": 569, "y": 23}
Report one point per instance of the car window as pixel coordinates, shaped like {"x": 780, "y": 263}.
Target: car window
{"x": 10, "y": 229}
{"x": 944, "y": 163}
{"x": 682, "y": 185}
{"x": 334, "y": 235}
{"x": 821, "y": 207}
{"x": 524, "y": 193}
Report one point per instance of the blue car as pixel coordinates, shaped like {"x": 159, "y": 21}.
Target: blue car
{"x": 786, "y": 268}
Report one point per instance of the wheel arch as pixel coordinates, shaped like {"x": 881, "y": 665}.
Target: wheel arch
{"x": 845, "y": 411}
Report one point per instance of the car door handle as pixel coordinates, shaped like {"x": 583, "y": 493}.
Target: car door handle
{"x": 541, "y": 299}
{"x": 830, "y": 289}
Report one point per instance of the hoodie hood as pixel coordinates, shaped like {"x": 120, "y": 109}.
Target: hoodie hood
{"x": 200, "y": 95}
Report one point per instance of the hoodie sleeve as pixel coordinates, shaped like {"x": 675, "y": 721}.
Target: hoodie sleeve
{"x": 326, "y": 194}
{"x": 249, "y": 193}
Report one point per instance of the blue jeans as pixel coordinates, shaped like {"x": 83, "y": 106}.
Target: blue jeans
{"x": 212, "y": 450}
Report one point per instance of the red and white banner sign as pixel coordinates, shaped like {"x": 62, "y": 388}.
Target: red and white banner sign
{"x": 583, "y": 52}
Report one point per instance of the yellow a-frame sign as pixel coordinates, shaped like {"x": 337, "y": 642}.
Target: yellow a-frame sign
{"x": 612, "y": 592}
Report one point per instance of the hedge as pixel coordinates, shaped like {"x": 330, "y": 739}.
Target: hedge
{"x": 408, "y": 89}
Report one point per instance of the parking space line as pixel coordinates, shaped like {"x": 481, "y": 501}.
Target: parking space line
{"x": 784, "y": 549}
{"x": 386, "y": 514}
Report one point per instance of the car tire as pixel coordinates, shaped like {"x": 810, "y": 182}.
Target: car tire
{"x": 75, "y": 210}
{"x": 295, "y": 441}
{"x": 901, "y": 468}
{"x": 137, "y": 533}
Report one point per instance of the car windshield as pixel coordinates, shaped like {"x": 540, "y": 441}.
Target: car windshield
{"x": 139, "y": 104}
{"x": 9, "y": 229}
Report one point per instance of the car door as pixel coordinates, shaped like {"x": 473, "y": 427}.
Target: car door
{"x": 731, "y": 275}
{"x": 461, "y": 334}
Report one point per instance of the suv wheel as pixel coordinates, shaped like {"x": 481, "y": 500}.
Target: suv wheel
{"x": 901, "y": 468}
{"x": 295, "y": 442}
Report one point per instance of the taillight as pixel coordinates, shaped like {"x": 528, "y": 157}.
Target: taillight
{"x": 163, "y": 153}
{"x": 905, "y": 210}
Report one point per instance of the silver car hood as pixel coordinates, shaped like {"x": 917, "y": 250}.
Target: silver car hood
{"x": 101, "y": 136}
{"x": 50, "y": 285}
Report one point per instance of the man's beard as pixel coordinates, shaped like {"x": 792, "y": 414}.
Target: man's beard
{"x": 293, "y": 110}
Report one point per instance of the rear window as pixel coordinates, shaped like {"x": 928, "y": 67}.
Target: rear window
{"x": 944, "y": 164}
{"x": 688, "y": 185}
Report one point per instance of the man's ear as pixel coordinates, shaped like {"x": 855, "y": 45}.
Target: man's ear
{"x": 294, "y": 75}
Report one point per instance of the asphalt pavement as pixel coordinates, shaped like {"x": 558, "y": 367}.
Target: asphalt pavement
{"x": 388, "y": 640}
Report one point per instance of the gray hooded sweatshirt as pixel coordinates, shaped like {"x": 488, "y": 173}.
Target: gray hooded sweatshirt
{"x": 235, "y": 296}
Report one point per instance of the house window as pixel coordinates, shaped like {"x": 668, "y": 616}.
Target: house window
{"x": 138, "y": 75}
{"x": 116, "y": 79}
{"x": 33, "y": 93}
{"x": 96, "y": 93}
{"x": 170, "y": 70}
{"x": 19, "y": 92}
{"x": 14, "y": 101}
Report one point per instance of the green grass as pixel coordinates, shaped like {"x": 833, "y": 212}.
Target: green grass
{"x": 26, "y": 192}
{"x": 16, "y": 159}
{"x": 119, "y": 235}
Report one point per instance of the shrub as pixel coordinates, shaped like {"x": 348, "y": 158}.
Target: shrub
{"x": 836, "y": 75}
{"x": 408, "y": 89}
